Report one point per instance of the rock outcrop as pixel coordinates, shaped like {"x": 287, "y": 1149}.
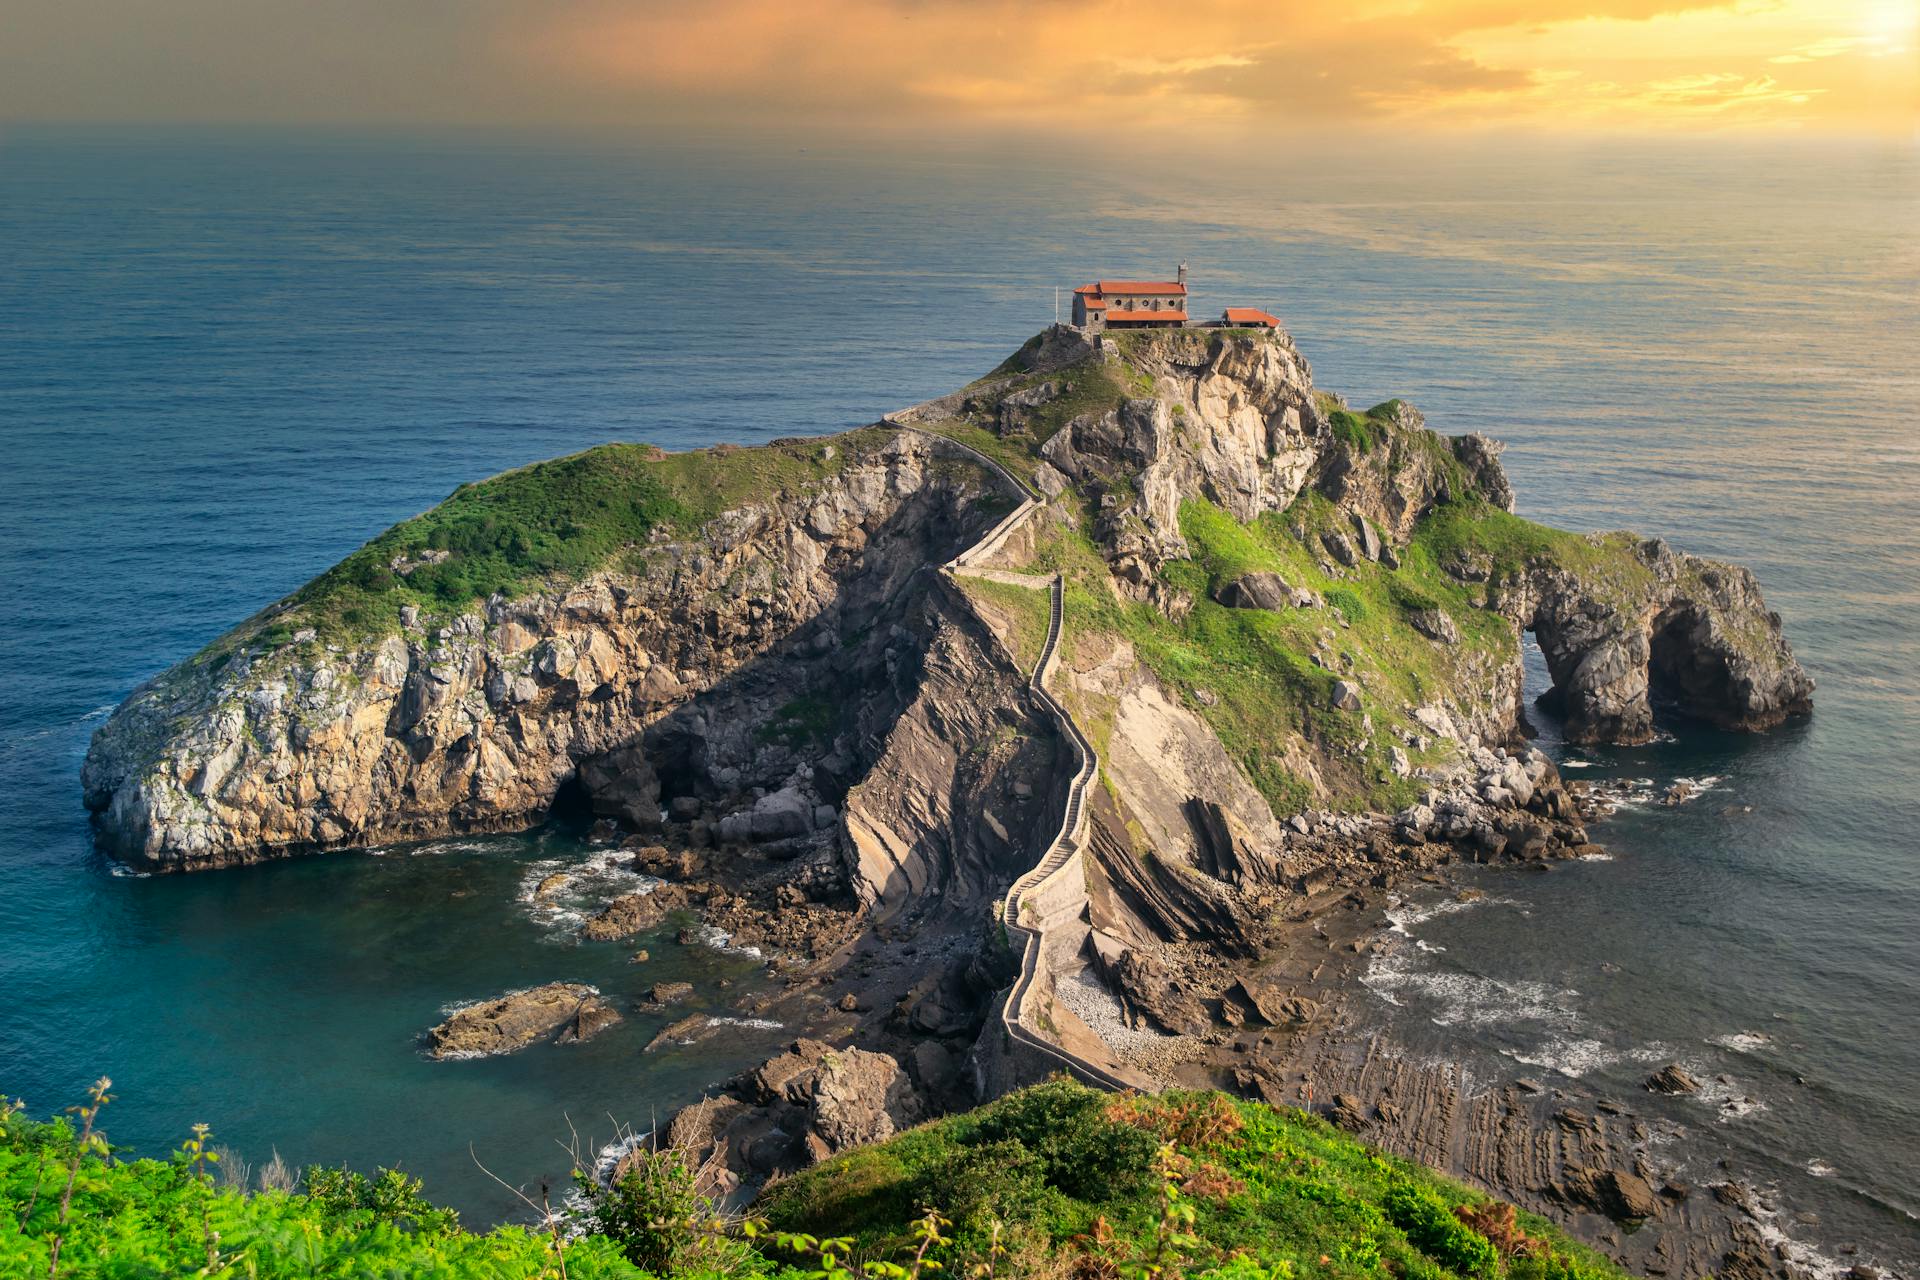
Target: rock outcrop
{"x": 955, "y": 804}
{"x": 795, "y": 1110}
{"x": 1291, "y": 632}
{"x": 662, "y": 688}
{"x": 563, "y": 1012}
{"x": 1673, "y": 627}
{"x": 480, "y": 722}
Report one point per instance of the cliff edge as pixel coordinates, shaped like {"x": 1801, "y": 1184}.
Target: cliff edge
{"x": 1324, "y": 605}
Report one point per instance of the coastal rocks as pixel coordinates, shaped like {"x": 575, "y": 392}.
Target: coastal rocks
{"x": 662, "y": 994}
{"x": 1271, "y": 1004}
{"x": 1680, "y": 629}
{"x": 633, "y": 913}
{"x": 588, "y": 1021}
{"x": 775, "y": 816}
{"x": 1152, "y": 993}
{"x": 1480, "y": 455}
{"x": 1616, "y": 1193}
{"x": 1672, "y": 1078}
{"x": 795, "y": 1109}
{"x": 559, "y": 1011}
{"x": 262, "y": 747}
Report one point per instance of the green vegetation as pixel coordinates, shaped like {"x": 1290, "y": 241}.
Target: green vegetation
{"x": 1053, "y": 1180}
{"x": 1277, "y": 702}
{"x": 551, "y": 521}
{"x": 1061, "y": 1179}
{"x": 72, "y": 1208}
{"x": 1362, "y": 435}
{"x": 1024, "y": 612}
{"x": 1505, "y": 545}
{"x": 810, "y": 718}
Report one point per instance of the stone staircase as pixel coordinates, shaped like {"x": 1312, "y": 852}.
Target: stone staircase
{"x": 1054, "y": 889}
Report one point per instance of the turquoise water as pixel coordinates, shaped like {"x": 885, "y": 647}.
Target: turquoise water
{"x": 227, "y": 360}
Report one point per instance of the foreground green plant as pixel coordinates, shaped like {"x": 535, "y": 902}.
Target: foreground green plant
{"x": 1182, "y": 1185}
{"x": 1054, "y": 1181}
{"x": 75, "y": 1211}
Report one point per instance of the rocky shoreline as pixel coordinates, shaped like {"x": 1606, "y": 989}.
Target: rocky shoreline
{"x": 1290, "y": 632}
{"x": 1292, "y": 1026}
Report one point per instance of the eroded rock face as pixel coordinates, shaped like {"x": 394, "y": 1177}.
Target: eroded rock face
{"x": 794, "y": 1110}
{"x": 956, "y": 803}
{"x": 1689, "y": 631}
{"x": 1233, "y": 420}
{"x": 559, "y": 1011}
{"x": 1264, "y": 591}
{"x": 477, "y": 725}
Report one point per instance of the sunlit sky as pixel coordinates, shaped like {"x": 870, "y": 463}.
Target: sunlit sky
{"x": 1212, "y": 68}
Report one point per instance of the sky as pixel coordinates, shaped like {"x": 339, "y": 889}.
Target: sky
{"x": 1155, "y": 69}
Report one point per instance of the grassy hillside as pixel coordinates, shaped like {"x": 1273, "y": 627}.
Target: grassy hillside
{"x": 1054, "y": 1181}
{"x": 550, "y": 521}
{"x": 1251, "y": 674}
{"x": 1062, "y": 1180}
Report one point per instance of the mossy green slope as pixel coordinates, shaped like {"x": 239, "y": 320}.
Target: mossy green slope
{"x": 1068, "y": 1180}
{"x": 543, "y": 524}
{"x": 1055, "y": 1179}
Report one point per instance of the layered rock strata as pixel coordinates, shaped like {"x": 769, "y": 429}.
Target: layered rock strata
{"x": 479, "y": 723}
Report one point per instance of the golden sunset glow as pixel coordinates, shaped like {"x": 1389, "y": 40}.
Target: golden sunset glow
{"x": 1667, "y": 64}
{"x": 1068, "y": 66}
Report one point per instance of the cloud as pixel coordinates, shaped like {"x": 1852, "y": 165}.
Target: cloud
{"x": 1874, "y": 46}
{"x": 1359, "y": 76}
{"x": 1233, "y": 68}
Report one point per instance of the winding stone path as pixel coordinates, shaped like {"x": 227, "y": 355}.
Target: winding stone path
{"x": 1054, "y": 889}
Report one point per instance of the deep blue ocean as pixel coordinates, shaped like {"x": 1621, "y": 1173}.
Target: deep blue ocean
{"x": 227, "y": 360}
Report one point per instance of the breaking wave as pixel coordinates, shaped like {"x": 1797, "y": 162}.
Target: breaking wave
{"x": 1543, "y": 1022}
{"x": 1742, "y": 1041}
{"x": 709, "y": 935}
{"x": 559, "y": 894}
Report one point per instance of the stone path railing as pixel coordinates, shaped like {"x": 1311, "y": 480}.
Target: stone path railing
{"x": 1056, "y": 886}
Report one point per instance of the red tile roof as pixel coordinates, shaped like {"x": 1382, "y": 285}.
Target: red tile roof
{"x": 1093, "y": 303}
{"x": 1133, "y": 286}
{"x": 1251, "y": 315}
{"x": 1172, "y": 317}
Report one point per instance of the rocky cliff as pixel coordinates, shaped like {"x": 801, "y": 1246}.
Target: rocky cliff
{"x": 1275, "y": 603}
{"x": 1291, "y": 631}
{"x": 303, "y": 732}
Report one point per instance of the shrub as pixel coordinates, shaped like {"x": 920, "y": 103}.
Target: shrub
{"x": 1348, "y": 603}
{"x": 1001, "y": 1179}
{"x": 1082, "y": 1152}
{"x": 657, "y": 1215}
{"x": 1544, "y": 1264}
{"x": 388, "y": 1196}
{"x": 1433, "y": 1229}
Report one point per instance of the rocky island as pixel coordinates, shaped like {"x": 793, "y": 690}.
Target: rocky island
{"x": 1078, "y": 720}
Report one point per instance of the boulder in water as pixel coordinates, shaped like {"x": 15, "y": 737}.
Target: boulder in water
{"x": 568, "y": 1011}
{"x": 1672, "y": 1078}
